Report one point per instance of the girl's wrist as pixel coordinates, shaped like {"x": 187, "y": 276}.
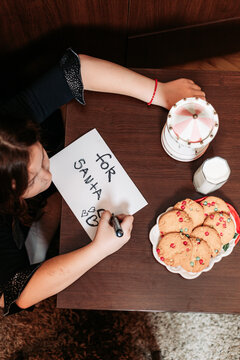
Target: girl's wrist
{"x": 160, "y": 97}
{"x": 99, "y": 250}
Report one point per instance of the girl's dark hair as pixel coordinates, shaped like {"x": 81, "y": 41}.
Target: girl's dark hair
{"x": 16, "y": 136}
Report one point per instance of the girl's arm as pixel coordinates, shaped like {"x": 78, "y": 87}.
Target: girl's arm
{"x": 104, "y": 76}
{"x": 59, "y": 272}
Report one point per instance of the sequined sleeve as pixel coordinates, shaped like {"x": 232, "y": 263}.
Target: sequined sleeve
{"x": 71, "y": 68}
{"x": 13, "y": 287}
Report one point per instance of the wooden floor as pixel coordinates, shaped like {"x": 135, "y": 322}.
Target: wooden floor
{"x": 228, "y": 62}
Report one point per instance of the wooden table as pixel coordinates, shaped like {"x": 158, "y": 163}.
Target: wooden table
{"x": 132, "y": 279}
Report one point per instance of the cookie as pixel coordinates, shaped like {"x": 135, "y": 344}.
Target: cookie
{"x": 211, "y": 237}
{"x": 199, "y": 257}
{"x": 174, "y": 248}
{"x": 193, "y": 209}
{"x": 214, "y": 204}
{"x": 223, "y": 224}
{"x": 175, "y": 221}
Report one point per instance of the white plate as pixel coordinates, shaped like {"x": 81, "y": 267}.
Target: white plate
{"x": 155, "y": 236}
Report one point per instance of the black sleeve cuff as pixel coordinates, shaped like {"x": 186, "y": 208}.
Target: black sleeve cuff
{"x": 13, "y": 288}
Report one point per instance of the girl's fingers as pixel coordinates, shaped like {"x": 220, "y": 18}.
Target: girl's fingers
{"x": 106, "y": 215}
{"x": 127, "y": 223}
{"x": 186, "y": 80}
{"x": 125, "y": 218}
{"x": 201, "y": 94}
{"x": 121, "y": 216}
{"x": 195, "y": 87}
{"x": 198, "y": 93}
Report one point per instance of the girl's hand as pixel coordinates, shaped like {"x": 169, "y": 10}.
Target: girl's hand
{"x": 106, "y": 240}
{"x": 173, "y": 91}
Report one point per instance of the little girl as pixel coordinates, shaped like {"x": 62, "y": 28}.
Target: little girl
{"x": 27, "y": 201}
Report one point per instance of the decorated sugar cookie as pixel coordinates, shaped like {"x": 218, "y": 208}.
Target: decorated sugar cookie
{"x": 193, "y": 209}
{"x": 173, "y": 248}
{"x": 223, "y": 224}
{"x": 214, "y": 204}
{"x": 211, "y": 237}
{"x": 200, "y": 256}
{"x": 175, "y": 221}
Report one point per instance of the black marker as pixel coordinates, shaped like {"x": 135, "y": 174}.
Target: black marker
{"x": 116, "y": 225}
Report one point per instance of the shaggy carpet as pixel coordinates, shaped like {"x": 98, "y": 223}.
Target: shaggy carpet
{"x": 48, "y": 333}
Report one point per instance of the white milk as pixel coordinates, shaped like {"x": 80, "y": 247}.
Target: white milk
{"x": 211, "y": 175}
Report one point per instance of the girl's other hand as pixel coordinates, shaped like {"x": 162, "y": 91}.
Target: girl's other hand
{"x": 173, "y": 91}
{"x": 106, "y": 240}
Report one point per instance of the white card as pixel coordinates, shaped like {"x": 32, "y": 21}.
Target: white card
{"x": 90, "y": 179}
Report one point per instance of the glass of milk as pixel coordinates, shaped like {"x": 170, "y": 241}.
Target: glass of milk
{"x": 211, "y": 175}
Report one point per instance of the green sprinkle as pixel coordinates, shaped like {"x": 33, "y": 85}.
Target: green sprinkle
{"x": 191, "y": 263}
{"x": 186, "y": 229}
{"x": 181, "y": 230}
{"x": 198, "y": 240}
{"x": 228, "y": 220}
{"x": 205, "y": 203}
{"x": 187, "y": 235}
{"x": 235, "y": 235}
{"x": 197, "y": 258}
{"x": 216, "y": 209}
{"x": 216, "y": 251}
{"x": 191, "y": 209}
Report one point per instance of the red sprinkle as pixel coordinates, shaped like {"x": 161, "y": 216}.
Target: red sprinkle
{"x": 221, "y": 219}
{"x": 180, "y": 219}
{"x": 178, "y": 213}
{"x": 213, "y": 203}
{"x": 206, "y": 233}
{"x": 158, "y": 251}
{"x": 217, "y": 223}
{"x": 161, "y": 233}
{"x": 206, "y": 214}
{"x": 201, "y": 261}
{"x": 162, "y": 258}
{"x": 182, "y": 207}
{"x": 172, "y": 245}
{"x": 184, "y": 202}
{"x": 187, "y": 249}
{"x": 211, "y": 216}
{"x": 224, "y": 225}
{"x": 185, "y": 243}
{"x": 221, "y": 234}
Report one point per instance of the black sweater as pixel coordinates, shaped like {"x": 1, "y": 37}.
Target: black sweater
{"x": 56, "y": 88}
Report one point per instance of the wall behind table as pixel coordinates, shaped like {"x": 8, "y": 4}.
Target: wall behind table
{"x": 34, "y": 33}
{"x": 147, "y": 16}
{"x": 170, "y": 32}
{"x": 137, "y": 33}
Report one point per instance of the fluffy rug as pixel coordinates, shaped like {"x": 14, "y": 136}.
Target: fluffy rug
{"x": 48, "y": 333}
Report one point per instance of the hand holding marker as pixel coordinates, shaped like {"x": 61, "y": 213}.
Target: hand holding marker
{"x": 116, "y": 225}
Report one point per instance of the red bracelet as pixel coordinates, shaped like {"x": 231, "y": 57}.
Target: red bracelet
{"x": 154, "y": 92}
